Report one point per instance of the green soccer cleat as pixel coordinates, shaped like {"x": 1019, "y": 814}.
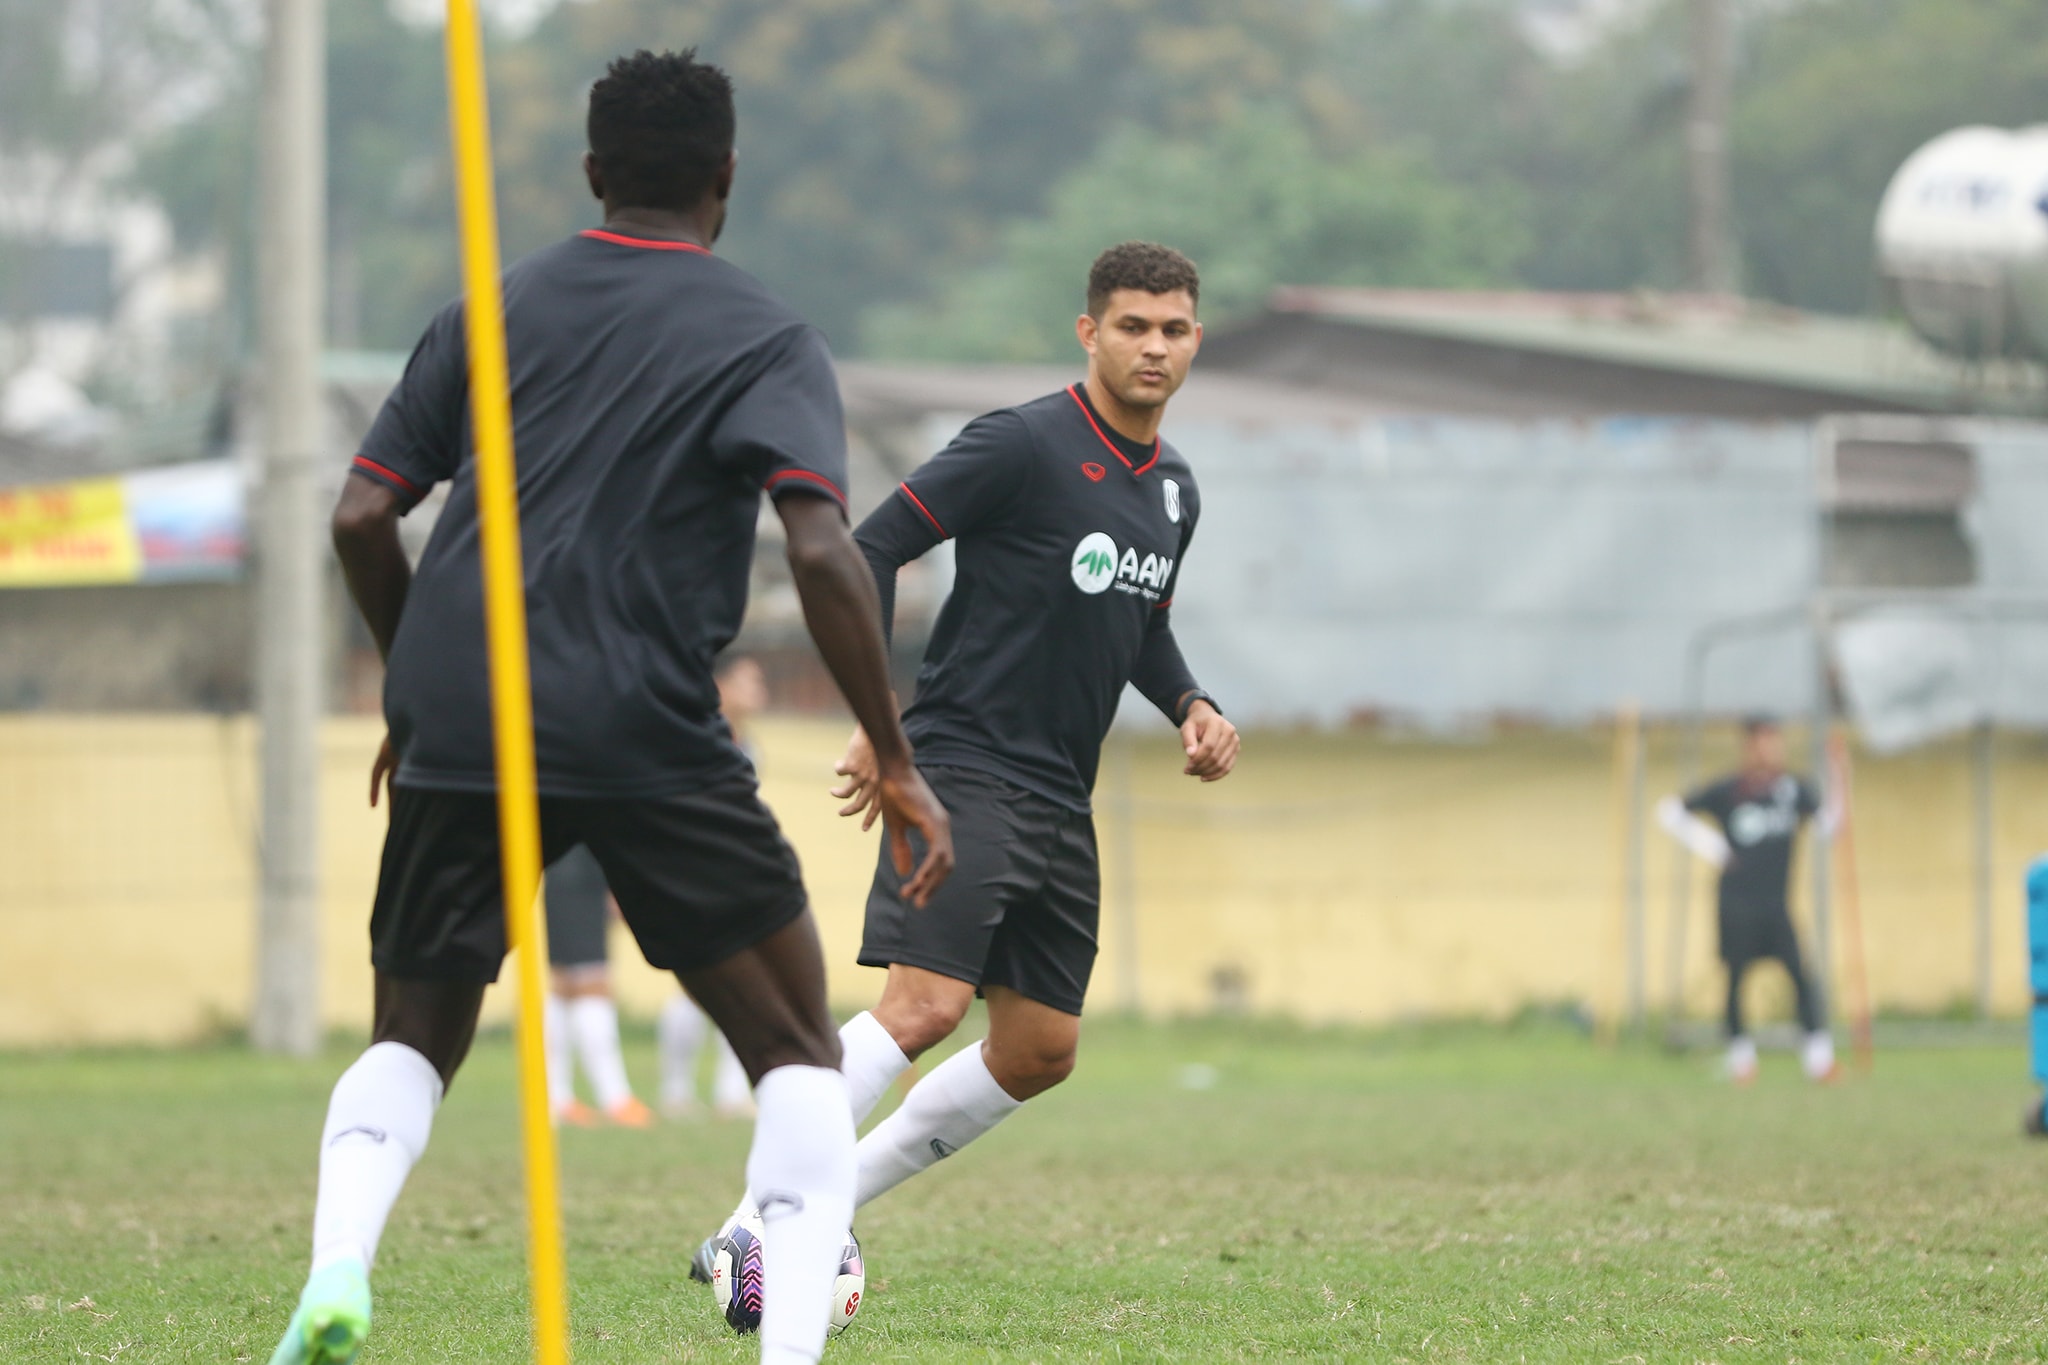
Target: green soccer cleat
{"x": 332, "y": 1319}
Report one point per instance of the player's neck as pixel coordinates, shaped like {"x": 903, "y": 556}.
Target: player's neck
{"x": 664, "y": 225}
{"x": 1133, "y": 424}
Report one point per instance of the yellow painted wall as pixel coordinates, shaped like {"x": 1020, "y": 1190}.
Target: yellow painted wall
{"x": 1351, "y": 876}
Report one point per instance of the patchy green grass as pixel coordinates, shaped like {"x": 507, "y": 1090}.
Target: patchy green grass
{"x": 1200, "y": 1191}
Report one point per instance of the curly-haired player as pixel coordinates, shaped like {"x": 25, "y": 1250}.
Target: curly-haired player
{"x": 1073, "y": 519}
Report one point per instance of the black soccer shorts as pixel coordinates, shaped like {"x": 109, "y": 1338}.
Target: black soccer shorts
{"x": 698, "y": 877}
{"x": 1021, "y": 908}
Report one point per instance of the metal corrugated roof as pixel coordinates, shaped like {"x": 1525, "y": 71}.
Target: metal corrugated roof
{"x": 1708, "y": 337}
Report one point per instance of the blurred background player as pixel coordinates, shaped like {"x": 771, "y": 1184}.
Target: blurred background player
{"x": 582, "y": 1016}
{"x": 1756, "y": 813}
{"x": 682, "y": 1027}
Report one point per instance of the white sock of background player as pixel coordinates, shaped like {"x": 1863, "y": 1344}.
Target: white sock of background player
{"x": 1741, "y": 1055}
{"x": 951, "y": 1107}
{"x": 730, "y": 1089}
{"x": 800, "y": 1174}
{"x": 561, "y": 1076}
{"x": 681, "y": 1030}
{"x": 594, "y": 1023}
{"x": 1817, "y": 1054}
{"x": 378, "y": 1121}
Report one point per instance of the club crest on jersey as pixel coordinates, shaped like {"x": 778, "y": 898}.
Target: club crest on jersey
{"x": 1095, "y": 472}
{"x": 1098, "y": 565}
{"x": 1172, "y": 500}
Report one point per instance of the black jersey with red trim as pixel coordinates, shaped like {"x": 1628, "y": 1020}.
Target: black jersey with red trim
{"x": 1070, "y": 541}
{"x": 656, "y": 392}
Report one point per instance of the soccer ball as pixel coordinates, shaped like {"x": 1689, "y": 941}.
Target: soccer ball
{"x": 736, "y": 1277}
{"x": 848, "y": 1288}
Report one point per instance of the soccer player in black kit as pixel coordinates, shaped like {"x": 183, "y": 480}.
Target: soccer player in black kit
{"x": 1072, "y": 519}
{"x": 657, "y": 393}
{"x": 1756, "y": 813}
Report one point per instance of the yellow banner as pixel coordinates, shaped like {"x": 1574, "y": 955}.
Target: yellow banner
{"x": 66, "y": 533}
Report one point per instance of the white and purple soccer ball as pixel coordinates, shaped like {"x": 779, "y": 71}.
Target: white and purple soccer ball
{"x": 736, "y": 1278}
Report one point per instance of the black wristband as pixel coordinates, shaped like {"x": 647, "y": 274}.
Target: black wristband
{"x": 1187, "y": 704}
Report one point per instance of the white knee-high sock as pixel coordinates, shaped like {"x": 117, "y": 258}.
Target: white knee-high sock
{"x": 594, "y": 1023}
{"x": 378, "y": 1121}
{"x": 555, "y": 1032}
{"x": 871, "y": 1061}
{"x": 800, "y": 1174}
{"x": 951, "y": 1107}
{"x": 681, "y": 1029}
{"x": 729, "y": 1084}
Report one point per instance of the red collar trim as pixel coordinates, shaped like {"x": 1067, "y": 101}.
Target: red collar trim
{"x": 1074, "y": 392}
{"x": 645, "y": 243}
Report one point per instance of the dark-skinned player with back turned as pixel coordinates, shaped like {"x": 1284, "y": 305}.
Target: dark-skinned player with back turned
{"x": 1071, "y": 519}
{"x": 657, "y": 393}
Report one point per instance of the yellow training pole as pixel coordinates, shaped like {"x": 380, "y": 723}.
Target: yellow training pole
{"x": 497, "y": 500}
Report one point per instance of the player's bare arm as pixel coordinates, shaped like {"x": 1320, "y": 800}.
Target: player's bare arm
{"x": 843, "y": 613}
{"x": 378, "y": 574}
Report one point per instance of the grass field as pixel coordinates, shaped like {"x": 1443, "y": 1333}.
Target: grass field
{"x": 1433, "y": 1194}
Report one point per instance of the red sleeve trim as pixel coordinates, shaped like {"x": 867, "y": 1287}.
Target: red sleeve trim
{"x": 644, "y": 243}
{"x": 370, "y": 466}
{"x": 944, "y": 534}
{"x": 1162, "y": 606}
{"x": 808, "y": 477}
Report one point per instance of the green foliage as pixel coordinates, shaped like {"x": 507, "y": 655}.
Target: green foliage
{"x": 928, "y": 176}
{"x": 1256, "y": 202}
{"x": 1836, "y": 95}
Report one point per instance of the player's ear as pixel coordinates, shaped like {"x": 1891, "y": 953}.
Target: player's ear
{"x": 593, "y": 173}
{"x": 721, "y": 184}
{"x": 1085, "y": 328}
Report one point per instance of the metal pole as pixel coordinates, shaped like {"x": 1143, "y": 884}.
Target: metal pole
{"x": 1128, "y": 992}
{"x": 1710, "y": 259}
{"x": 290, "y": 552}
{"x": 1632, "y": 889}
{"x": 1823, "y": 904}
{"x": 1981, "y": 774}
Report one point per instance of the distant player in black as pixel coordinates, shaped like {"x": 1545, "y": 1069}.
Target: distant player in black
{"x": 657, "y": 392}
{"x": 1072, "y": 519}
{"x": 1756, "y": 813}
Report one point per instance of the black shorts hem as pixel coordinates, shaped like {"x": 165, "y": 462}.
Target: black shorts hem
{"x": 1065, "y": 1004}
{"x": 430, "y": 971}
{"x": 924, "y": 963}
{"x": 757, "y": 931}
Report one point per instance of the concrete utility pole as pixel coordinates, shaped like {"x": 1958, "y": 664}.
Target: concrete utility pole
{"x": 1710, "y": 257}
{"x": 289, "y": 545}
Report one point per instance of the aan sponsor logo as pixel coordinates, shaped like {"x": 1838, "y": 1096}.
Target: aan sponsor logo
{"x": 1098, "y": 565}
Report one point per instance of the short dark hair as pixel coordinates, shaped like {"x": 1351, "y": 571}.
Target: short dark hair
{"x": 1148, "y": 266}
{"x": 1757, "y": 722}
{"x": 661, "y": 126}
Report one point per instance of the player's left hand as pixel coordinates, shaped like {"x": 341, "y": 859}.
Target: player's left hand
{"x": 862, "y": 789}
{"x": 381, "y": 770}
{"x": 1210, "y": 741}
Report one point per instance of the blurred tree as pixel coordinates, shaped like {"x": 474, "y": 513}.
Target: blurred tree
{"x": 1835, "y": 96}
{"x": 895, "y": 153}
{"x": 1256, "y": 202}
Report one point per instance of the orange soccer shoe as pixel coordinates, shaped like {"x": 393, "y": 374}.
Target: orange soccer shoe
{"x": 631, "y": 1113}
{"x": 576, "y": 1114}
